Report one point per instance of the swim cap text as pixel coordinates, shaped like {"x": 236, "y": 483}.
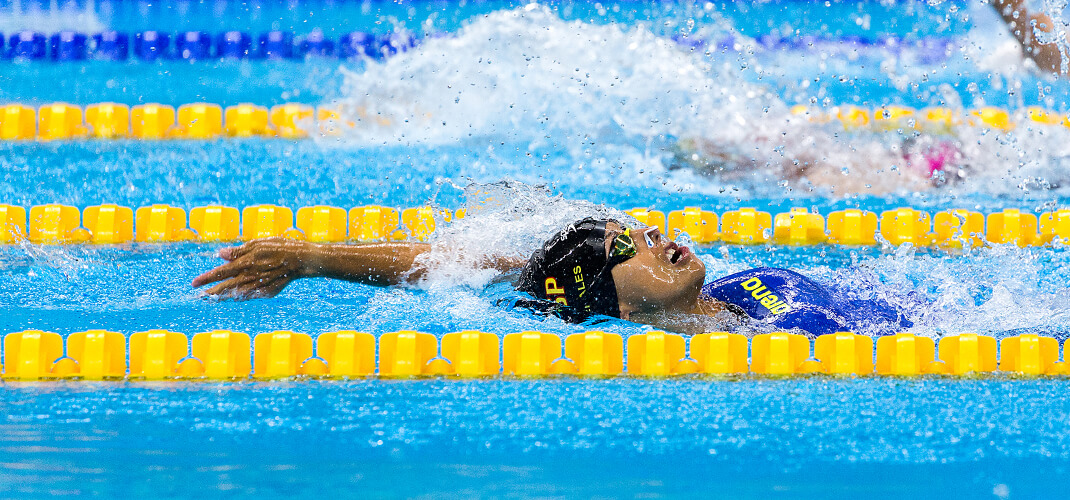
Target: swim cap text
{"x": 552, "y": 289}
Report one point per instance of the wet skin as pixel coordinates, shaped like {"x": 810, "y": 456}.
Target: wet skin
{"x": 661, "y": 277}
{"x": 1021, "y": 22}
{"x": 263, "y": 268}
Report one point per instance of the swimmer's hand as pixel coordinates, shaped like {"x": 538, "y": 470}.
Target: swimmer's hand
{"x": 259, "y": 268}
{"x": 1022, "y": 24}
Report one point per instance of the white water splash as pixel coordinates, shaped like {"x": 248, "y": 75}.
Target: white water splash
{"x": 528, "y": 75}
{"x": 613, "y": 97}
{"x": 627, "y": 105}
{"x": 505, "y": 219}
{"x": 1057, "y": 36}
{"x": 993, "y": 290}
{"x": 16, "y": 16}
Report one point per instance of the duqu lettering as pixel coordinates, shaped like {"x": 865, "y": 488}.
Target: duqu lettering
{"x": 552, "y": 289}
{"x": 765, "y": 297}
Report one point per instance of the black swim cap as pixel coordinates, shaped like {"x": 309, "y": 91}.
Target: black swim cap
{"x": 572, "y": 270}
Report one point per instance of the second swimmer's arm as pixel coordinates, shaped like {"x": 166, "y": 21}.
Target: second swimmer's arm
{"x": 1020, "y": 21}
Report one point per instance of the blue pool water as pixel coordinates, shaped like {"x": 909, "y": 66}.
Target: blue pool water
{"x": 529, "y": 117}
{"x": 818, "y": 437}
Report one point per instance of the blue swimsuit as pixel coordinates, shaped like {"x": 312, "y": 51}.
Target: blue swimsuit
{"x": 787, "y": 300}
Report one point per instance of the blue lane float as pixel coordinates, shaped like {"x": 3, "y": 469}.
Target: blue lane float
{"x": 199, "y": 45}
{"x": 316, "y": 44}
{"x": 277, "y": 45}
{"x": 357, "y": 44}
{"x": 151, "y": 45}
{"x": 193, "y": 45}
{"x": 28, "y": 45}
{"x": 68, "y": 46}
{"x": 111, "y": 46}
{"x": 395, "y": 43}
{"x": 233, "y": 45}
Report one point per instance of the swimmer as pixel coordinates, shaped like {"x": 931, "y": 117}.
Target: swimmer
{"x": 591, "y": 267}
{"x": 891, "y": 163}
{"x": 1021, "y": 23}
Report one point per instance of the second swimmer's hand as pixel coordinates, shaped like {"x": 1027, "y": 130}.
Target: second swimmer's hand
{"x": 259, "y": 268}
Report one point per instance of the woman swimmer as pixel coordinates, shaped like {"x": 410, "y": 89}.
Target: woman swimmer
{"x": 590, "y": 267}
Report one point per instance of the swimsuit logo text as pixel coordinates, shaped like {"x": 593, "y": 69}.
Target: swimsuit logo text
{"x": 765, "y": 296}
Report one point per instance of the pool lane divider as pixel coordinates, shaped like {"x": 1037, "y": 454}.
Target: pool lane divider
{"x": 226, "y": 355}
{"x": 207, "y": 121}
{"x": 113, "y": 224}
{"x": 110, "y": 224}
{"x": 153, "y": 45}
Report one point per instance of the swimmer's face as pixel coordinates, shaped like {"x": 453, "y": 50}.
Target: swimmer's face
{"x": 662, "y": 275}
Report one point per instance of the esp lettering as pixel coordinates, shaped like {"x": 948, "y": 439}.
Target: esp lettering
{"x": 553, "y": 289}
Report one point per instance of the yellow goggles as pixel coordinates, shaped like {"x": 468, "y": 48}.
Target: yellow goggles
{"x": 623, "y": 247}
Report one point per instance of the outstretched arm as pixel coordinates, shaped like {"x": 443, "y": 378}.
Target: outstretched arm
{"x": 1020, "y": 21}
{"x": 262, "y": 268}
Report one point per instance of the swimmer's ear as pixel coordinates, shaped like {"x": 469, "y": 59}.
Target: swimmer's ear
{"x": 625, "y": 315}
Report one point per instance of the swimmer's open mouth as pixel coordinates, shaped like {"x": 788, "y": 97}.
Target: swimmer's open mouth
{"x": 676, "y": 254}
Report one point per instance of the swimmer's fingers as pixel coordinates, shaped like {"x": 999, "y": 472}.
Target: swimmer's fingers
{"x": 245, "y": 289}
{"x": 238, "y": 288}
{"x": 228, "y": 270}
{"x": 231, "y": 253}
{"x": 235, "y": 253}
{"x": 262, "y": 246}
{"x": 263, "y": 288}
{"x": 276, "y": 287}
{"x": 225, "y": 289}
{"x": 251, "y": 286}
{"x": 255, "y": 267}
{"x": 240, "y": 265}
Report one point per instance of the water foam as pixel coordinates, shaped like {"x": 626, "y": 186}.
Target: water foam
{"x": 613, "y": 96}
{"x": 528, "y": 75}
{"x": 626, "y": 103}
{"x": 15, "y": 18}
{"x": 994, "y": 290}
{"x": 991, "y": 290}
{"x": 506, "y": 219}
